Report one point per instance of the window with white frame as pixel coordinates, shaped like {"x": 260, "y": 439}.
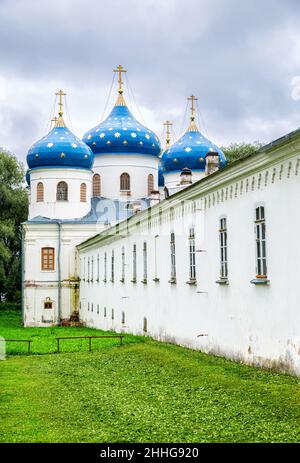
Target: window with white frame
{"x": 112, "y": 276}
{"x": 145, "y": 262}
{"x": 92, "y": 268}
{"x": 173, "y": 257}
{"x": 192, "y": 254}
{"x": 88, "y": 278}
{"x": 123, "y": 265}
{"x": 47, "y": 259}
{"x": 105, "y": 267}
{"x": 134, "y": 270}
{"x": 84, "y": 268}
{"x": 98, "y": 267}
{"x": 260, "y": 235}
{"x": 155, "y": 257}
{"x": 223, "y": 248}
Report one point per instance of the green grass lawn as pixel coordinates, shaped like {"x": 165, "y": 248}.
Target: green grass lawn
{"x": 44, "y": 339}
{"x": 144, "y": 391}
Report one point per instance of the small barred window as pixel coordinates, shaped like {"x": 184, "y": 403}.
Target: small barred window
{"x": 83, "y": 193}
{"x": 62, "y": 191}
{"x": 96, "y": 185}
{"x": 40, "y": 192}
{"x": 125, "y": 182}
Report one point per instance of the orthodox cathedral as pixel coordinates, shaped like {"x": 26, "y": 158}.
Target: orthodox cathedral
{"x": 172, "y": 243}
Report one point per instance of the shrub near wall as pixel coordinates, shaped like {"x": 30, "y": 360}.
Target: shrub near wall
{"x": 10, "y": 306}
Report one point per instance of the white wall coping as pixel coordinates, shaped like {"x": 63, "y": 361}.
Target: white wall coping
{"x": 236, "y": 171}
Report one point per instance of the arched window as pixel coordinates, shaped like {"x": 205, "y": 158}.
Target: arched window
{"x": 62, "y": 191}
{"x": 83, "y": 193}
{"x": 40, "y": 192}
{"x": 125, "y": 182}
{"x": 150, "y": 184}
{"x": 96, "y": 186}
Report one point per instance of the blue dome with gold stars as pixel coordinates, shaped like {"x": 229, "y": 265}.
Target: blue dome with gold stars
{"x": 190, "y": 151}
{"x": 60, "y": 147}
{"x": 121, "y": 133}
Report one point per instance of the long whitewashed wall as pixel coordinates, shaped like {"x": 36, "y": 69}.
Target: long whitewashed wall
{"x": 256, "y": 324}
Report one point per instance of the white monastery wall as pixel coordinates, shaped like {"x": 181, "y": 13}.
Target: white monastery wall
{"x": 255, "y": 323}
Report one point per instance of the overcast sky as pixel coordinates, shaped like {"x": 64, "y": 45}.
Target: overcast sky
{"x": 240, "y": 58}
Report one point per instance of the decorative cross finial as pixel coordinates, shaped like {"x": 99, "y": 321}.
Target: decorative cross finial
{"x": 192, "y": 99}
{"x": 55, "y": 119}
{"x": 119, "y": 70}
{"x": 193, "y": 126}
{"x": 60, "y": 93}
{"x": 168, "y": 125}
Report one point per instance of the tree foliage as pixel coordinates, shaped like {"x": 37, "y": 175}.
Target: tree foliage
{"x": 240, "y": 150}
{"x": 13, "y": 211}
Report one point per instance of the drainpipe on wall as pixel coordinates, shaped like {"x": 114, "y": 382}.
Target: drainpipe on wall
{"x": 58, "y": 223}
{"x": 22, "y": 272}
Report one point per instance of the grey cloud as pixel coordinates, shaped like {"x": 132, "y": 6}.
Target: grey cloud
{"x": 237, "y": 57}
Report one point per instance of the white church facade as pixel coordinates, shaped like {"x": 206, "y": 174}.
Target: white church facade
{"x": 176, "y": 245}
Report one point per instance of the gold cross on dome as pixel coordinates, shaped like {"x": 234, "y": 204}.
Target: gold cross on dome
{"x": 54, "y": 120}
{"x": 119, "y": 70}
{"x": 192, "y": 99}
{"x": 60, "y": 94}
{"x": 168, "y": 125}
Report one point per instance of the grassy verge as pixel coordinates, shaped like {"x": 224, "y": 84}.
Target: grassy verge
{"x": 44, "y": 341}
{"x": 142, "y": 392}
